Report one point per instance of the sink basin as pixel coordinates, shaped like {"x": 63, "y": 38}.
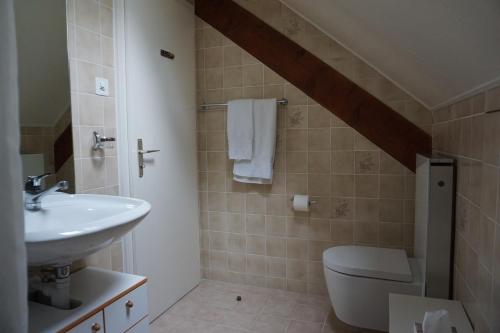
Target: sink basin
{"x": 71, "y": 227}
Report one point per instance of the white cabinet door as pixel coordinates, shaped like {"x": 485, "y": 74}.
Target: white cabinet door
{"x": 126, "y": 311}
{"x": 94, "y": 324}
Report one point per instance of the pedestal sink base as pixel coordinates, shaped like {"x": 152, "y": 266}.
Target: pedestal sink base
{"x": 52, "y": 287}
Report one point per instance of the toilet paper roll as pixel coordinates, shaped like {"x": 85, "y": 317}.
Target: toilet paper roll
{"x": 301, "y": 203}
{"x": 436, "y": 322}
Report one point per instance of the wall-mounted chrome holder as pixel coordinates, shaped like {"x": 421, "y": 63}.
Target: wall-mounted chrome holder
{"x": 311, "y": 202}
{"x": 140, "y": 156}
{"x": 100, "y": 140}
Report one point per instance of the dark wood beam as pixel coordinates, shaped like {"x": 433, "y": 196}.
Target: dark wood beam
{"x": 358, "y": 108}
{"x": 63, "y": 148}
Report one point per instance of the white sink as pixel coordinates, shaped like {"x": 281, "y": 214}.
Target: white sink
{"x": 70, "y": 227}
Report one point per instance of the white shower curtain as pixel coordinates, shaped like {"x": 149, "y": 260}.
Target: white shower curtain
{"x": 13, "y": 285}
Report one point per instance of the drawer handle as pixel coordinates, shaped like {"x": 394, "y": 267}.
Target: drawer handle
{"x": 129, "y": 304}
{"x": 96, "y": 327}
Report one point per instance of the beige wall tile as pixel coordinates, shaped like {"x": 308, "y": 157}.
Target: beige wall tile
{"x": 319, "y": 139}
{"x": 296, "y": 249}
{"x": 212, "y": 37}
{"x": 106, "y": 15}
{"x": 296, "y": 162}
{"x": 214, "y": 57}
{"x": 296, "y": 116}
{"x": 467, "y": 133}
{"x": 87, "y": 15}
{"x": 342, "y": 138}
{"x": 366, "y": 233}
{"x": 275, "y": 225}
{"x": 276, "y": 267}
{"x": 253, "y": 75}
{"x": 318, "y": 117}
{"x": 367, "y": 162}
{"x": 256, "y": 245}
{"x": 296, "y": 183}
{"x": 87, "y": 73}
{"x": 366, "y": 210}
{"x": 489, "y": 193}
{"x": 296, "y": 269}
{"x": 317, "y": 154}
{"x": 342, "y": 208}
{"x": 255, "y": 224}
{"x": 343, "y": 185}
{"x": 343, "y": 162}
{"x": 256, "y": 264}
{"x": 93, "y": 172}
{"x": 236, "y": 262}
{"x": 342, "y": 232}
{"x": 232, "y": 56}
{"x": 213, "y": 78}
{"x": 91, "y": 109}
{"x": 232, "y": 77}
{"x": 318, "y": 162}
{"x": 319, "y": 184}
{"x": 88, "y": 46}
{"x": 296, "y": 140}
{"x": 366, "y": 186}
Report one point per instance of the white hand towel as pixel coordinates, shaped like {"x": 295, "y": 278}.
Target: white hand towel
{"x": 240, "y": 129}
{"x": 259, "y": 169}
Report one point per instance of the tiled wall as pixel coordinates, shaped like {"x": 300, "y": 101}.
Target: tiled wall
{"x": 249, "y": 233}
{"x": 472, "y": 136}
{"x": 91, "y": 54}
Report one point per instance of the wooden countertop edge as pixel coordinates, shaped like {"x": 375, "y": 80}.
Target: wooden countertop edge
{"x": 102, "y": 306}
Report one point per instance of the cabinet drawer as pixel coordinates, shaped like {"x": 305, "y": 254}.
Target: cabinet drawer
{"x": 141, "y": 327}
{"x": 94, "y": 324}
{"x": 126, "y": 311}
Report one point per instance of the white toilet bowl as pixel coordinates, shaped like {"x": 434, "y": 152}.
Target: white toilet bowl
{"x": 360, "y": 278}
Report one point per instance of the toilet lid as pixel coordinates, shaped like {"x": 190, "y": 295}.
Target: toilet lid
{"x": 373, "y": 262}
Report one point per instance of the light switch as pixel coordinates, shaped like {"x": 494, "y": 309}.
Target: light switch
{"x": 101, "y": 86}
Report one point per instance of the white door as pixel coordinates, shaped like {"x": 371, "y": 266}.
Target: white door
{"x": 160, "y": 104}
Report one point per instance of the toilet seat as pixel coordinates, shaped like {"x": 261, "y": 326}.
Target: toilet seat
{"x": 370, "y": 262}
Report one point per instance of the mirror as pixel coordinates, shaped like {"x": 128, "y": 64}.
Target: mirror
{"x": 44, "y": 90}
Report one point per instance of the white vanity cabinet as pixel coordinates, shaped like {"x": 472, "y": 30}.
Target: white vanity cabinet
{"x": 94, "y": 324}
{"x": 112, "y": 302}
{"x": 127, "y": 311}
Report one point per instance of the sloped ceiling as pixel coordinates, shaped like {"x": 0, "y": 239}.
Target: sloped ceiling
{"x": 44, "y": 91}
{"x": 438, "y": 51}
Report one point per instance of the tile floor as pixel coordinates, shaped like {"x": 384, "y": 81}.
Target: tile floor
{"x": 212, "y": 308}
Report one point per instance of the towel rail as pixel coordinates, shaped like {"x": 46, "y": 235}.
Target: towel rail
{"x": 282, "y": 101}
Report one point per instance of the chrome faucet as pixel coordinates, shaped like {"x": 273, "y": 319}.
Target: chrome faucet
{"x": 34, "y": 186}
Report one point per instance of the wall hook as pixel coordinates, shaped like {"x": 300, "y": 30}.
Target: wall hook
{"x": 100, "y": 140}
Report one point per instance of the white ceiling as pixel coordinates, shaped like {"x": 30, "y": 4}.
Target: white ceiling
{"x": 438, "y": 51}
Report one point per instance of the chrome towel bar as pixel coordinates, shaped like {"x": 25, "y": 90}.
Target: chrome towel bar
{"x": 282, "y": 101}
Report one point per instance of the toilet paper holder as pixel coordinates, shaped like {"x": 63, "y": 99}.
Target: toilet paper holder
{"x": 311, "y": 202}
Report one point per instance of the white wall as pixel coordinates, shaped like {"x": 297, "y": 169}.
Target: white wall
{"x": 435, "y": 50}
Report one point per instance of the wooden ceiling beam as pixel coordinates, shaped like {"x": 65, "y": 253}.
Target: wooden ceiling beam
{"x": 359, "y": 109}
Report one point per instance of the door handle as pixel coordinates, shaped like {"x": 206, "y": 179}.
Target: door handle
{"x": 140, "y": 156}
{"x": 148, "y": 151}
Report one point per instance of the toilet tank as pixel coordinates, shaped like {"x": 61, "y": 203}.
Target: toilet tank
{"x": 435, "y": 224}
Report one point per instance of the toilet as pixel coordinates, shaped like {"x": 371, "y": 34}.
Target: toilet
{"x": 360, "y": 278}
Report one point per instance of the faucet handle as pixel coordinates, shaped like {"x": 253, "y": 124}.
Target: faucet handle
{"x": 36, "y": 181}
